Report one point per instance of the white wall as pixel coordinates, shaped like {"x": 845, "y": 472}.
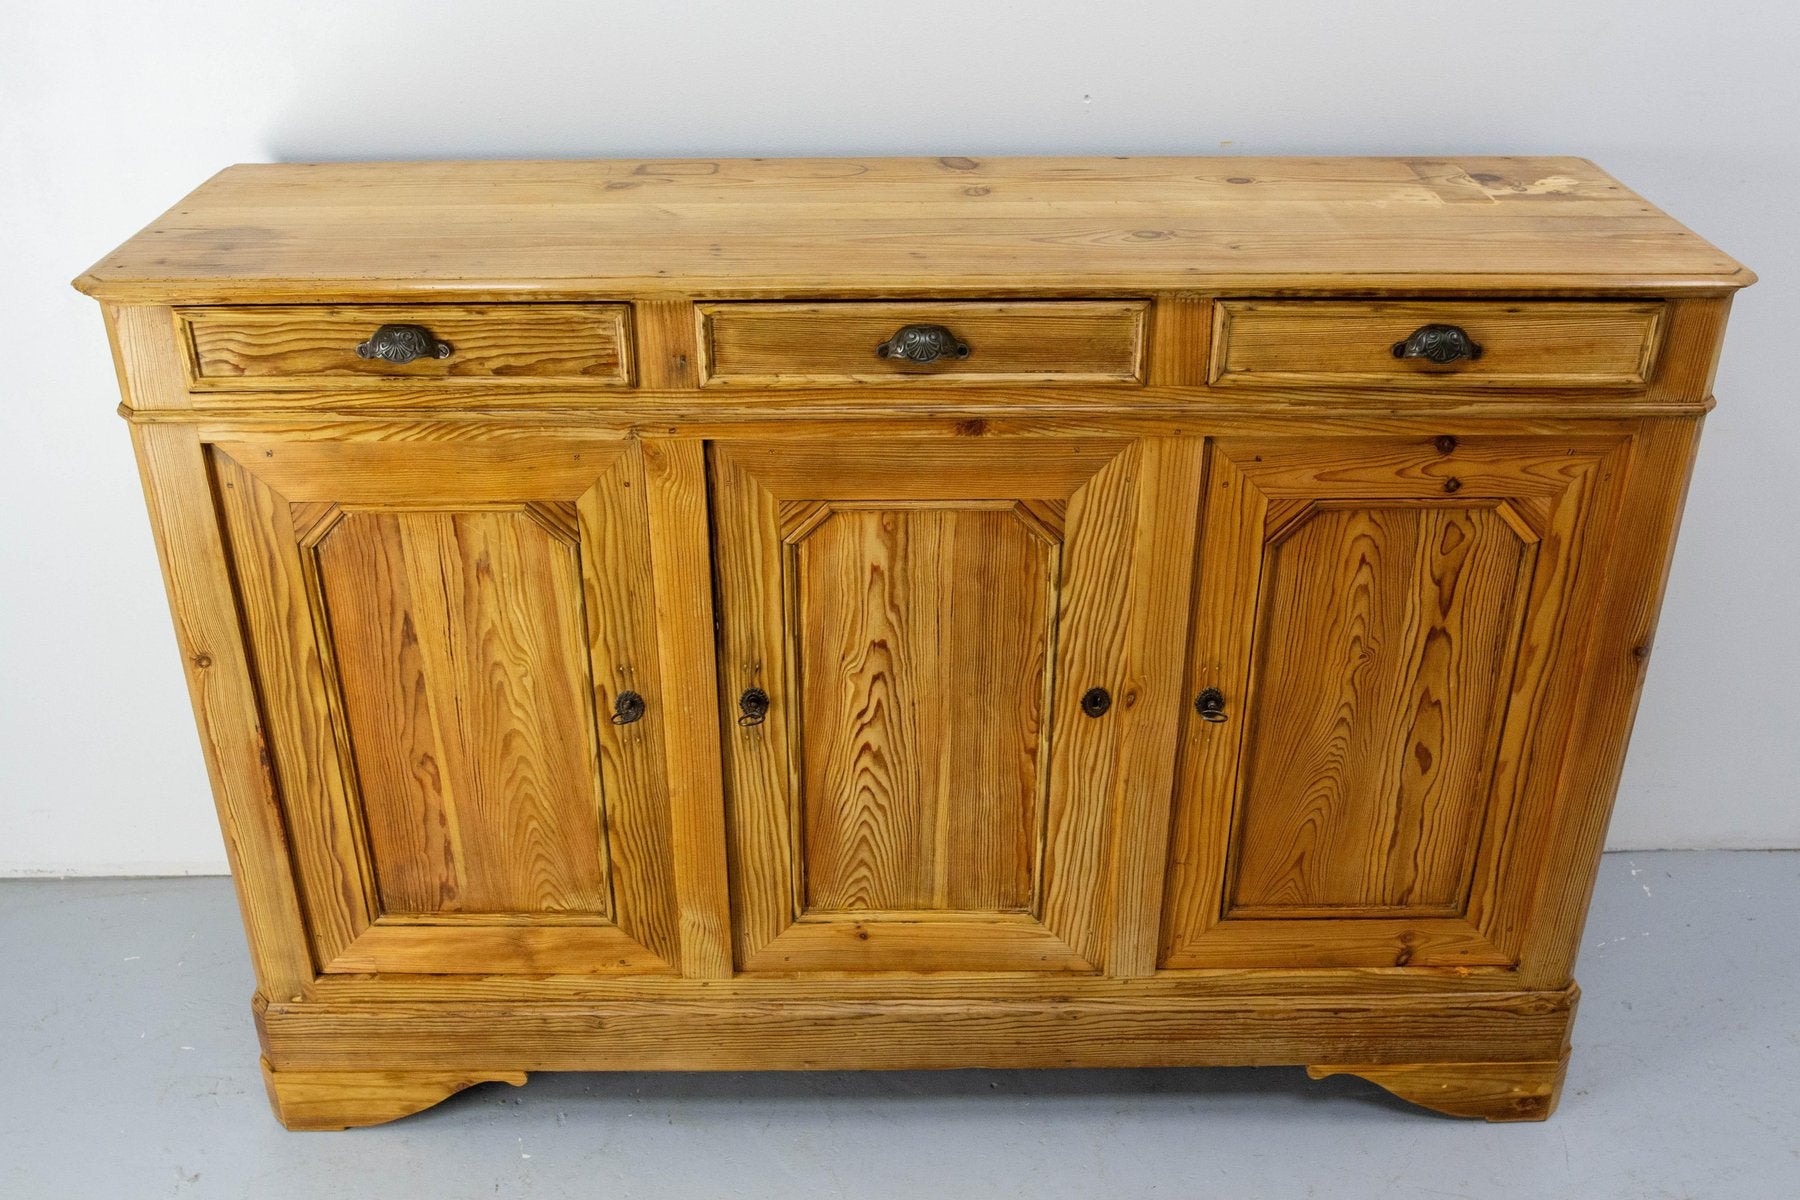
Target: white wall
{"x": 111, "y": 111}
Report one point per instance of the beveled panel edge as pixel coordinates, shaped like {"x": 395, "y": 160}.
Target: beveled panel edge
{"x": 1138, "y": 307}
{"x": 1217, "y": 372}
{"x": 203, "y": 386}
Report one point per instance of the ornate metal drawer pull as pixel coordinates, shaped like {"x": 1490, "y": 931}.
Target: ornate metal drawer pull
{"x": 922, "y": 344}
{"x": 628, "y": 707}
{"x": 753, "y": 706}
{"x": 402, "y": 344}
{"x": 1210, "y": 704}
{"x": 1095, "y": 702}
{"x": 1438, "y": 344}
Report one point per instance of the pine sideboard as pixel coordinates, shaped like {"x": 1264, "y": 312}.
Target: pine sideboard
{"x": 914, "y": 613}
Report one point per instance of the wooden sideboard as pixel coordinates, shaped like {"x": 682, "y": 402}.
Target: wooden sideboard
{"x": 914, "y": 612}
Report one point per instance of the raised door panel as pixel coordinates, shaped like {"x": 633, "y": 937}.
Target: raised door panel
{"x": 458, "y": 643}
{"x": 1394, "y": 628}
{"x": 439, "y": 669}
{"x": 922, "y": 641}
{"x": 925, "y": 791}
{"x": 1387, "y": 633}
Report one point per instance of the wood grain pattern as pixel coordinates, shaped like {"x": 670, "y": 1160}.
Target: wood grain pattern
{"x": 855, "y": 619}
{"x": 441, "y": 670}
{"x": 681, "y": 565}
{"x": 1341, "y": 682}
{"x": 227, "y": 711}
{"x": 1219, "y": 984}
{"x": 1180, "y": 340}
{"x": 321, "y": 1100}
{"x": 1181, "y": 455}
{"x": 313, "y": 346}
{"x": 624, "y": 644}
{"x": 1535, "y": 344}
{"x": 1046, "y": 341}
{"x": 458, "y": 643}
{"x": 1169, "y": 483}
{"x": 1492, "y": 1091}
{"x": 890, "y": 227}
{"x": 825, "y": 1032}
{"x": 922, "y": 637}
{"x": 667, "y": 355}
{"x": 307, "y": 745}
{"x": 1387, "y": 643}
{"x": 1652, "y": 496}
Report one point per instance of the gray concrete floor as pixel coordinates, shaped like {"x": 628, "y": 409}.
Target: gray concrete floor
{"x": 128, "y": 1069}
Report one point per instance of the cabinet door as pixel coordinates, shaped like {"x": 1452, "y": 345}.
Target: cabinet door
{"x": 926, "y": 790}
{"x": 442, "y": 632}
{"x": 1393, "y": 627}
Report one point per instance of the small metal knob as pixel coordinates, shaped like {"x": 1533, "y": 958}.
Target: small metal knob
{"x": 627, "y": 707}
{"x": 922, "y": 344}
{"x": 1095, "y": 702}
{"x": 1210, "y": 704}
{"x": 1438, "y": 344}
{"x": 402, "y": 344}
{"x": 753, "y": 706}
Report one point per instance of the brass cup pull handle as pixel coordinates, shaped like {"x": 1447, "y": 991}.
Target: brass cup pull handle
{"x": 402, "y": 344}
{"x": 922, "y": 344}
{"x": 1438, "y": 344}
{"x": 753, "y": 706}
{"x": 627, "y": 708}
{"x": 1210, "y": 704}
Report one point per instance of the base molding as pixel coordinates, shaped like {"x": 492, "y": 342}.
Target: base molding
{"x": 332, "y": 1064}
{"x": 329, "y": 1100}
{"x": 1493, "y": 1091}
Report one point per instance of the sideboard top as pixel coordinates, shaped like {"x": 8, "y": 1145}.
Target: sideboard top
{"x": 907, "y": 225}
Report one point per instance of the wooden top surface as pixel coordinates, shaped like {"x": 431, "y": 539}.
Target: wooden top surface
{"x": 907, "y": 226}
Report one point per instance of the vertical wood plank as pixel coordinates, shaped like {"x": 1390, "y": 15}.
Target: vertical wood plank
{"x": 149, "y": 355}
{"x": 1693, "y": 334}
{"x": 1181, "y": 336}
{"x": 295, "y": 701}
{"x": 1228, "y": 580}
{"x": 1662, "y": 457}
{"x": 1094, "y": 625}
{"x": 621, "y": 627}
{"x": 238, "y": 761}
{"x": 667, "y": 344}
{"x": 1170, "y": 473}
{"x": 681, "y": 570}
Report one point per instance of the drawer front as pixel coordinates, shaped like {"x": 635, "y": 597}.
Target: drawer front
{"x": 1523, "y": 344}
{"x": 309, "y": 346}
{"x": 826, "y": 344}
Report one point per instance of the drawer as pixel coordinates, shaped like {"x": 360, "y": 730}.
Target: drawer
{"x": 315, "y": 345}
{"x": 1354, "y": 343}
{"x": 823, "y": 344}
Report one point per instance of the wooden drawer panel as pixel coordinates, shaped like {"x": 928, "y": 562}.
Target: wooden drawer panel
{"x": 309, "y": 346}
{"x": 776, "y": 345}
{"x": 1524, "y": 344}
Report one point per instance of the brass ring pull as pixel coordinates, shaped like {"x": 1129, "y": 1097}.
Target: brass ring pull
{"x": 402, "y": 344}
{"x": 922, "y": 344}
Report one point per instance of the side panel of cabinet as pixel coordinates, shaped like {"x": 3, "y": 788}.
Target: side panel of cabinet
{"x": 440, "y": 636}
{"x": 925, "y": 791}
{"x": 1396, "y": 627}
